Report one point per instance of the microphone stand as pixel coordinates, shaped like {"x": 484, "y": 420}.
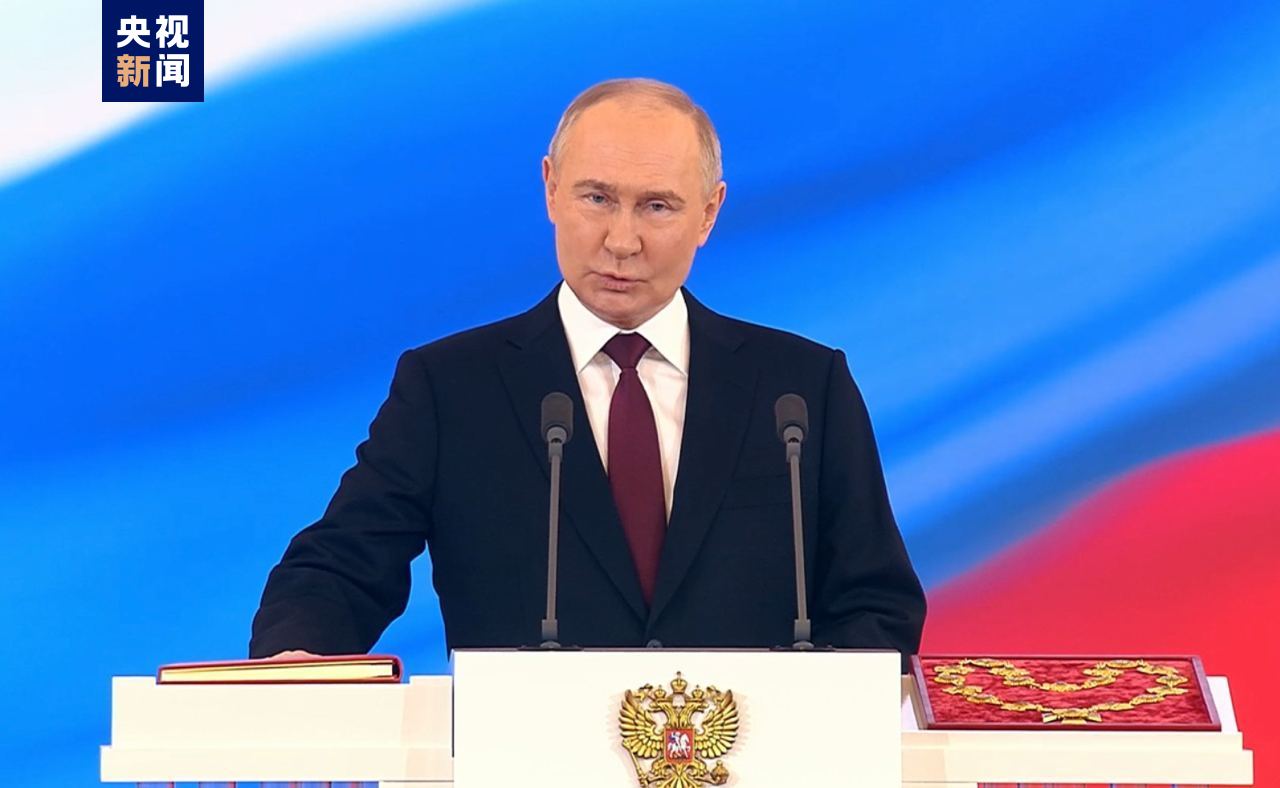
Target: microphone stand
{"x": 557, "y": 428}
{"x": 792, "y": 415}
{"x": 555, "y": 453}
{"x": 803, "y": 632}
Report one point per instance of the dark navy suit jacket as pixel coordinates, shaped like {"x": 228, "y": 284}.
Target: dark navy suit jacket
{"x": 455, "y": 463}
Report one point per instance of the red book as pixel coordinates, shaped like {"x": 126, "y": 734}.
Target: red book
{"x": 342, "y": 669}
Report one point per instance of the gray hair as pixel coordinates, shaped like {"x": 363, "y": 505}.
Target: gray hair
{"x": 661, "y": 92}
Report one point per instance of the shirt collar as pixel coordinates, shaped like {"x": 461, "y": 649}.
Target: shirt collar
{"x": 667, "y": 331}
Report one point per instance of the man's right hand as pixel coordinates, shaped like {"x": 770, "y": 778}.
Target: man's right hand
{"x": 293, "y": 655}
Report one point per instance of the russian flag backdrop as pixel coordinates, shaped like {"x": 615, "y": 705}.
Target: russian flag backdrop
{"x": 1047, "y": 235}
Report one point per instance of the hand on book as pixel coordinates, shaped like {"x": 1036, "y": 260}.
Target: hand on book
{"x": 293, "y": 655}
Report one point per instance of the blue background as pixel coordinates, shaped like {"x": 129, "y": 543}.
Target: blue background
{"x": 1047, "y": 235}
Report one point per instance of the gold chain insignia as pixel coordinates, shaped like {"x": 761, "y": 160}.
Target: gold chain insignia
{"x": 699, "y": 725}
{"x": 1168, "y": 682}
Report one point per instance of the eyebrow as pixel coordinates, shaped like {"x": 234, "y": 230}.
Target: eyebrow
{"x": 609, "y": 188}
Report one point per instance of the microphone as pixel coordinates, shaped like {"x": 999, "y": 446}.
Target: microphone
{"x": 792, "y": 415}
{"x": 557, "y": 420}
{"x": 793, "y": 421}
{"x": 557, "y": 428}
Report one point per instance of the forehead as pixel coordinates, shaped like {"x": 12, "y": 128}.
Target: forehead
{"x": 632, "y": 142}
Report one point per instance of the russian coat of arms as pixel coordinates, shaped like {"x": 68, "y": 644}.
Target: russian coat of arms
{"x": 699, "y": 725}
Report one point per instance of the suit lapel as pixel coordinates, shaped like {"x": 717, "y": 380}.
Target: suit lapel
{"x": 535, "y": 363}
{"x": 717, "y": 411}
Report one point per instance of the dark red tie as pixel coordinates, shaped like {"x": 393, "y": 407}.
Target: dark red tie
{"x": 635, "y": 466}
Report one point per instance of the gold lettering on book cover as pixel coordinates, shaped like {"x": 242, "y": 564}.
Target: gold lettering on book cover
{"x": 696, "y": 726}
{"x": 1167, "y": 683}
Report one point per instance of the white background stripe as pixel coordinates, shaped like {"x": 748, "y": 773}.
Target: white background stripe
{"x": 50, "y": 72}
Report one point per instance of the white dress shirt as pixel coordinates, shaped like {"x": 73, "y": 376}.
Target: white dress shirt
{"x": 663, "y": 371}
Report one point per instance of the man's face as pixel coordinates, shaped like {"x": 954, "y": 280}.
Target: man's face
{"x": 630, "y": 207}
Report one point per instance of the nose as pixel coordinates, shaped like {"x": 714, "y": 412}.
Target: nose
{"x": 621, "y": 240}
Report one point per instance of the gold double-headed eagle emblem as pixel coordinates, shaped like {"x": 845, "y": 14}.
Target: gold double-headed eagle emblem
{"x": 700, "y": 725}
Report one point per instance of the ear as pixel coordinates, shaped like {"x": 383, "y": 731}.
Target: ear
{"x": 550, "y": 183}
{"x": 710, "y": 211}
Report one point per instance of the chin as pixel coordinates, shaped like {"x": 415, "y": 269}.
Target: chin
{"x": 621, "y": 309}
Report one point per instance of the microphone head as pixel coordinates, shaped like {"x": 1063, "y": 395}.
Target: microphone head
{"x": 557, "y": 411}
{"x": 791, "y": 411}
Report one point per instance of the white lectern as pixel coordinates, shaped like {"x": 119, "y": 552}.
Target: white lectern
{"x": 554, "y": 718}
{"x": 510, "y": 718}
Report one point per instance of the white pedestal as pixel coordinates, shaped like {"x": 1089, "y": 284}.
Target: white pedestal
{"x": 963, "y": 758}
{"x": 401, "y": 735}
{"x": 306, "y": 732}
{"x": 551, "y": 718}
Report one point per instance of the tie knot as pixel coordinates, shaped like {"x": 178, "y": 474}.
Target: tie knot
{"x": 626, "y": 350}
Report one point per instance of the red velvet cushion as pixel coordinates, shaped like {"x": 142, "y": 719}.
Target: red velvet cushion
{"x": 945, "y": 685}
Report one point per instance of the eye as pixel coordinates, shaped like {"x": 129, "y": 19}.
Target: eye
{"x": 596, "y": 198}
{"x": 657, "y": 206}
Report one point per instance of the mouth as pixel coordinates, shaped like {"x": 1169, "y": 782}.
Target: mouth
{"x": 617, "y": 284}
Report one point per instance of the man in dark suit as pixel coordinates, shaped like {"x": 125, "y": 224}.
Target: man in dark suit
{"x": 677, "y": 527}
